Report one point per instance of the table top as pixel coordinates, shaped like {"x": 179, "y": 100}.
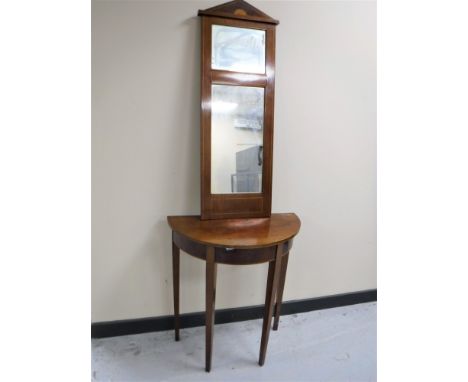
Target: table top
{"x": 237, "y": 233}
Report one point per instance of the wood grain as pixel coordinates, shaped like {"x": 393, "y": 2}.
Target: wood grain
{"x": 279, "y": 293}
{"x": 237, "y": 233}
{"x": 176, "y": 283}
{"x": 274, "y": 271}
{"x": 210, "y": 304}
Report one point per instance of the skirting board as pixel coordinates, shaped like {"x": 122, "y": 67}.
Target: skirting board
{"x": 223, "y": 316}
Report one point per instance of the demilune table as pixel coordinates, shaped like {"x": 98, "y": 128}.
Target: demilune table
{"x": 236, "y": 242}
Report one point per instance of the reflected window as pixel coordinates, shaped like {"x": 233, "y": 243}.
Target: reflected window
{"x": 238, "y": 49}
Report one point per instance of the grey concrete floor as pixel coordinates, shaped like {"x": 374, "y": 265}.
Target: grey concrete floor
{"x": 329, "y": 345}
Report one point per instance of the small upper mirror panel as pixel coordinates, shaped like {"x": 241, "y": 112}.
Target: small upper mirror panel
{"x": 238, "y": 49}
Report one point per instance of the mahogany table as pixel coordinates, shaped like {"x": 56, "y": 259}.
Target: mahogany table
{"x": 238, "y": 242}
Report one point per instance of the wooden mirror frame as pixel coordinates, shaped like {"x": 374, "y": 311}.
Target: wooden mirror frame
{"x": 240, "y": 14}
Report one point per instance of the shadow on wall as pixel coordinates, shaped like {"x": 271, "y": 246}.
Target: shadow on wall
{"x": 188, "y": 140}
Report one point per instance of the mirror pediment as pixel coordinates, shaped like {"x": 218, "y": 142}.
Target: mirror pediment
{"x": 238, "y": 9}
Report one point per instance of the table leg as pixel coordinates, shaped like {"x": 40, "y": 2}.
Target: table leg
{"x": 274, "y": 271}
{"x": 176, "y": 283}
{"x": 210, "y": 304}
{"x": 279, "y": 297}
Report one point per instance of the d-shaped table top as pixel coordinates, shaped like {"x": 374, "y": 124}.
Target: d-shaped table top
{"x": 237, "y": 233}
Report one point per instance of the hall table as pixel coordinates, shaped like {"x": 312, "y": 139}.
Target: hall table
{"x": 236, "y": 242}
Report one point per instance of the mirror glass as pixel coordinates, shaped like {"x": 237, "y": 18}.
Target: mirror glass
{"x": 236, "y": 139}
{"x": 238, "y": 49}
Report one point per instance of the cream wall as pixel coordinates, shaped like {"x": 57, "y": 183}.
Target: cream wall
{"x": 145, "y": 152}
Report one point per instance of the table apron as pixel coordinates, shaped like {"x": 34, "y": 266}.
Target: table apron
{"x": 233, "y": 256}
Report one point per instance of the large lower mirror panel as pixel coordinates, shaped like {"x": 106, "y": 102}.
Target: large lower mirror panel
{"x": 236, "y": 139}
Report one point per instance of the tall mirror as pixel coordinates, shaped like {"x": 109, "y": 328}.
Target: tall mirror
{"x": 238, "y": 58}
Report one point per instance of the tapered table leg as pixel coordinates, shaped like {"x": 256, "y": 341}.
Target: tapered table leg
{"x": 279, "y": 294}
{"x": 210, "y": 304}
{"x": 274, "y": 271}
{"x": 175, "y": 281}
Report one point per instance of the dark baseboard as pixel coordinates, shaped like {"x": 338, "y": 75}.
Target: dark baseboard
{"x": 223, "y": 316}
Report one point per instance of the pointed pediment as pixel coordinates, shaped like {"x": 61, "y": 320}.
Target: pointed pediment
{"x": 239, "y": 10}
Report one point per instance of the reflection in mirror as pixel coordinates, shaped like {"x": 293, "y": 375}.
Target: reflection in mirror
{"x": 236, "y": 139}
{"x": 238, "y": 49}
